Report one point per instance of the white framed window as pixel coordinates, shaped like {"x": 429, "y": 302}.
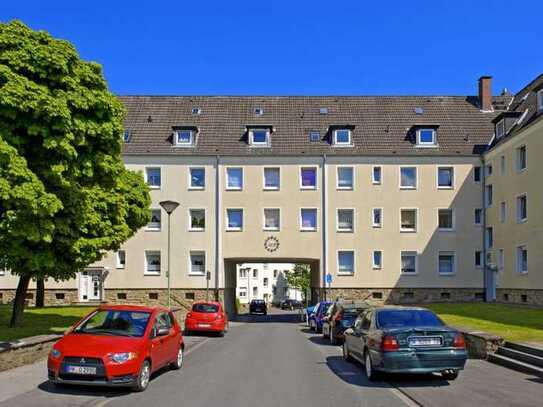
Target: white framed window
{"x": 501, "y": 260}
{"x": 376, "y": 175}
{"x": 127, "y": 136}
{"x": 478, "y": 216}
{"x": 255, "y": 273}
{"x": 272, "y": 178}
{"x": 345, "y": 220}
{"x": 377, "y": 259}
{"x": 308, "y": 177}
{"x": 243, "y": 292}
{"x": 184, "y": 138}
{"x": 197, "y": 263}
{"x": 408, "y": 220}
{"x": 121, "y": 259}
{"x": 234, "y": 219}
{"x": 522, "y": 208}
{"x": 502, "y": 165}
{"x": 377, "y": 217}
{"x": 242, "y": 273}
{"x": 540, "y": 100}
{"x": 489, "y": 237}
{"x": 503, "y": 212}
{"x": 522, "y": 259}
{"x": 477, "y": 174}
{"x": 426, "y": 137}
{"x": 272, "y": 218}
{"x": 308, "y": 219}
{"x": 345, "y": 178}
{"x": 445, "y": 219}
{"x": 522, "y": 158}
{"x": 152, "y": 177}
{"x": 152, "y": 262}
{"x": 446, "y": 263}
{"x": 342, "y": 137}
{"x": 197, "y": 178}
{"x": 259, "y": 137}
{"x": 345, "y": 262}
{"x": 408, "y": 177}
{"x": 255, "y": 292}
{"x": 275, "y": 272}
{"x": 197, "y": 220}
{"x": 265, "y": 281}
{"x": 156, "y": 220}
{"x": 478, "y": 258}
{"x": 408, "y": 261}
{"x": 500, "y": 129}
{"x": 445, "y": 177}
{"x": 234, "y": 178}
{"x": 488, "y": 196}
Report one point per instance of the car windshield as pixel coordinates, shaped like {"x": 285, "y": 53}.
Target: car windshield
{"x": 207, "y": 308}
{"x": 115, "y": 322}
{"x": 407, "y": 318}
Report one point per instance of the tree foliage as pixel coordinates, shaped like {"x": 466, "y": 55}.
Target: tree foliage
{"x": 300, "y": 277}
{"x": 65, "y": 196}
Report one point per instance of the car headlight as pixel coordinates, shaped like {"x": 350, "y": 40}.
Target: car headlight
{"x": 123, "y": 357}
{"x": 55, "y": 354}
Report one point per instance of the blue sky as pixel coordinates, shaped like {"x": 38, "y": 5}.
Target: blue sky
{"x": 298, "y": 47}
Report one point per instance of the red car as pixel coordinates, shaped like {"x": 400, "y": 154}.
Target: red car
{"x": 208, "y": 316}
{"x": 117, "y": 345}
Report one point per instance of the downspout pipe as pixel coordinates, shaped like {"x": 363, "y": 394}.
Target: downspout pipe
{"x": 483, "y": 206}
{"x": 217, "y": 227}
{"x": 324, "y": 218}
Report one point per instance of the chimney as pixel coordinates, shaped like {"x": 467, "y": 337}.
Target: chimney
{"x": 485, "y": 93}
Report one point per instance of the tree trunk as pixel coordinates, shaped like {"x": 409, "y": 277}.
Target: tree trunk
{"x": 40, "y": 292}
{"x": 19, "y": 302}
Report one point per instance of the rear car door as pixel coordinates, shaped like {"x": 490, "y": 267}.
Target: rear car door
{"x": 161, "y": 346}
{"x": 355, "y": 345}
{"x": 364, "y": 332}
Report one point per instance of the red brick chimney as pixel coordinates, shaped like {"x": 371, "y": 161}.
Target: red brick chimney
{"x": 485, "y": 93}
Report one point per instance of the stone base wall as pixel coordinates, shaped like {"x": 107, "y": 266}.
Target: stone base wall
{"x": 51, "y": 297}
{"x": 519, "y": 296}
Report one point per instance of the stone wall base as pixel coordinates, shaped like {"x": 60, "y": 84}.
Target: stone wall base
{"x": 519, "y": 296}
{"x": 52, "y": 297}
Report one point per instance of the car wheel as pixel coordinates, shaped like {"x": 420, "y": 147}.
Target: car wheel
{"x": 371, "y": 373}
{"x": 180, "y": 357}
{"x": 346, "y": 355}
{"x": 144, "y": 376}
{"x": 451, "y": 375}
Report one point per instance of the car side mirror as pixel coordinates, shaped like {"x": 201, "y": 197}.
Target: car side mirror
{"x": 349, "y": 331}
{"x": 162, "y": 331}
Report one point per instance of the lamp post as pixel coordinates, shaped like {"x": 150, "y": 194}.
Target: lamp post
{"x": 169, "y": 207}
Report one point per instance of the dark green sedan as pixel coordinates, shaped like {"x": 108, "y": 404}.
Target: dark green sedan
{"x": 395, "y": 339}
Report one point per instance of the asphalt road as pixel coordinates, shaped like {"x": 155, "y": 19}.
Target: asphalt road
{"x": 275, "y": 361}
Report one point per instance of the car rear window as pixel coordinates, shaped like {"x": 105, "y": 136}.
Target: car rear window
{"x": 259, "y": 302}
{"x": 407, "y": 318}
{"x": 207, "y": 308}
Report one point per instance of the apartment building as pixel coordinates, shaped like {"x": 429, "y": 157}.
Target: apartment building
{"x": 264, "y": 281}
{"x": 382, "y": 193}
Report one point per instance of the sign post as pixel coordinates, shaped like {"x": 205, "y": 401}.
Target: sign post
{"x": 328, "y": 280}
{"x": 208, "y": 277}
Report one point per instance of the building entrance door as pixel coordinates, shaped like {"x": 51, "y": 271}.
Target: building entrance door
{"x": 90, "y": 286}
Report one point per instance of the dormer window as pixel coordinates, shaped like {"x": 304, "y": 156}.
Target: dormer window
{"x": 500, "y": 128}
{"x": 259, "y": 137}
{"x": 259, "y": 111}
{"x": 126, "y": 136}
{"x": 540, "y": 100}
{"x": 196, "y": 110}
{"x": 426, "y": 137}
{"x": 184, "y": 138}
{"x": 342, "y": 137}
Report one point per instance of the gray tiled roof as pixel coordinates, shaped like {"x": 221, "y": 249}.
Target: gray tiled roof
{"x": 383, "y": 125}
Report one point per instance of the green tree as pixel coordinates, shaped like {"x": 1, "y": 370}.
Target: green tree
{"x": 65, "y": 196}
{"x": 300, "y": 277}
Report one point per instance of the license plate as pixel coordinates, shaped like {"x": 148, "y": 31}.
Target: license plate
{"x": 425, "y": 341}
{"x": 204, "y": 325}
{"x": 81, "y": 370}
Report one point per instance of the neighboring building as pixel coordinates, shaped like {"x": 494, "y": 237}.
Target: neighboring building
{"x": 264, "y": 281}
{"x": 384, "y": 193}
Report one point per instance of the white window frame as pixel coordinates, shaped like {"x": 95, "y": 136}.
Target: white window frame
{"x": 517, "y": 200}
{"x": 118, "y": 264}
{"x": 373, "y": 180}
{"x": 404, "y": 230}
{"x": 235, "y": 229}
{"x": 272, "y": 188}
{"x": 480, "y": 216}
{"x": 146, "y": 271}
{"x": 252, "y": 141}
{"x": 489, "y": 197}
{"x": 518, "y": 267}
{"x": 264, "y": 227}
{"x": 154, "y": 229}
{"x": 344, "y": 273}
{"x": 189, "y": 143}
{"x": 500, "y": 129}
{"x": 230, "y": 188}
{"x": 190, "y": 227}
{"x": 373, "y": 264}
{"x": 307, "y": 167}
{"x": 197, "y": 253}
{"x": 503, "y": 212}
{"x": 304, "y": 229}
{"x": 373, "y": 224}
{"x": 410, "y": 253}
{"x": 517, "y": 153}
{"x": 416, "y": 177}
{"x": 433, "y": 143}
{"x": 445, "y": 167}
{"x": 446, "y": 252}
{"x": 347, "y": 188}
{"x": 453, "y": 220}
{"x": 338, "y": 229}
{"x": 153, "y": 167}
{"x": 194, "y": 187}
{"x": 343, "y": 144}
{"x": 480, "y": 265}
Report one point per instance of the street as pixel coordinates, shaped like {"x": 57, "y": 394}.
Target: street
{"x": 275, "y": 361}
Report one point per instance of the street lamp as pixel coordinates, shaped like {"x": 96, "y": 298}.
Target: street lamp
{"x": 169, "y": 207}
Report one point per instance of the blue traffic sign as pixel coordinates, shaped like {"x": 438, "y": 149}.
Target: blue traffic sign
{"x": 329, "y": 279}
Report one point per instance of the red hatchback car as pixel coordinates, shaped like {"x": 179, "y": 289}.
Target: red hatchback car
{"x": 117, "y": 345}
{"x": 208, "y": 316}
